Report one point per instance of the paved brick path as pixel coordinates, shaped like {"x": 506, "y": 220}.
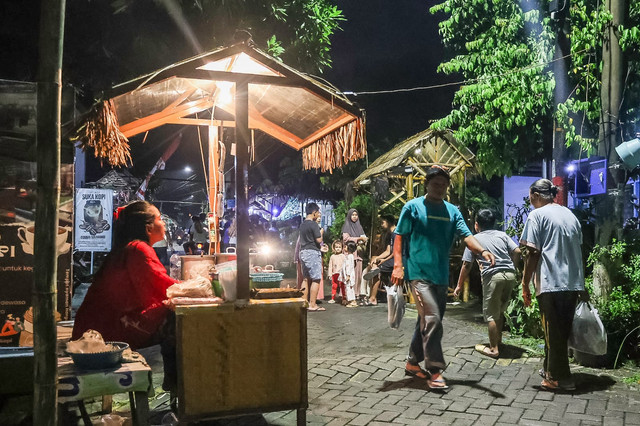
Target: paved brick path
{"x": 356, "y": 377}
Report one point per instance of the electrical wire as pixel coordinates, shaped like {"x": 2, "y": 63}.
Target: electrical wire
{"x": 463, "y": 82}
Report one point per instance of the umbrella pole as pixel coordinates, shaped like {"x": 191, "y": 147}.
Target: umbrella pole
{"x": 242, "y": 186}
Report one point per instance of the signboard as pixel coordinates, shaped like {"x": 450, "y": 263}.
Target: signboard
{"x": 94, "y": 219}
{"x": 17, "y": 217}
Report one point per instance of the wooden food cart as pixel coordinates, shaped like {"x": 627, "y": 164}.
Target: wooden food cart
{"x": 242, "y": 360}
{"x": 247, "y": 356}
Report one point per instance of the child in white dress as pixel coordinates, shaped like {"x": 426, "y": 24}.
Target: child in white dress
{"x": 348, "y": 274}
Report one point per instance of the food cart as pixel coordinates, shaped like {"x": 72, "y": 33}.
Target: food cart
{"x": 251, "y": 355}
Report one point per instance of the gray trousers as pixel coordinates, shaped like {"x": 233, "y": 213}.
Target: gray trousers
{"x": 426, "y": 344}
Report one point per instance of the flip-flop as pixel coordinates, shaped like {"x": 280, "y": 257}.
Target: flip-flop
{"x": 372, "y": 273}
{"x": 438, "y": 383}
{"x": 484, "y": 350}
{"x": 319, "y": 308}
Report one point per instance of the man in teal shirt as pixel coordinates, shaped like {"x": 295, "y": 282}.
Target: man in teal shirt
{"x": 428, "y": 227}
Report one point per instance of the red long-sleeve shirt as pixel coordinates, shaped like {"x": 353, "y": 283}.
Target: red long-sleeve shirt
{"x": 124, "y": 303}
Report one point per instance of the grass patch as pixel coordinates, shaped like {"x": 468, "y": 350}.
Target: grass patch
{"x": 534, "y": 346}
{"x": 632, "y": 380}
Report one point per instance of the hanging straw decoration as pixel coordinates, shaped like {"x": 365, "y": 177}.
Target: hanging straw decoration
{"x": 348, "y": 143}
{"x": 102, "y": 133}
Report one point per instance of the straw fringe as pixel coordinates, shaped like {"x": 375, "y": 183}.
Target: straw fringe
{"x": 102, "y": 133}
{"x": 348, "y": 143}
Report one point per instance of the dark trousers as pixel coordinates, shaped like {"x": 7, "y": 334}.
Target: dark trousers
{"x": 557, "y": 310}
{"x": 426, "y": 344}
{"x": 169, "y": 354}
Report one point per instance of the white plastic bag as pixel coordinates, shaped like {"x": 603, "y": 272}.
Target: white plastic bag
{"x": 395, "y": 305}
{"x": 588, "y": 334}
{"x": 195, "y": 287}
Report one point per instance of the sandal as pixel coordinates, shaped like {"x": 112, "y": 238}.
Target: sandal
{"x": 353, "y": 304}
{"x": 550, "y": 385}
{"x": 485, "y": 350}
{"x": 554, "y": 385}
{"x": 317, "y": 309}
{"x": 436, "y": 382}
{"x": 414, "y": 371}
{"x": 331, "y": 302}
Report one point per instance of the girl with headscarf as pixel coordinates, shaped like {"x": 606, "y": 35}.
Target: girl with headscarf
{"x": 352, "y": 231}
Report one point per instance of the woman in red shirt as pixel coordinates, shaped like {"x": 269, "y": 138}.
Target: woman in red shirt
{"x": 124, "y": 303}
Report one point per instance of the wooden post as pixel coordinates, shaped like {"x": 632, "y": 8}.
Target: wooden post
{"x": 214, "y": 188}
{"x": 45, "y": 392}
{"x": 242, "y": 187}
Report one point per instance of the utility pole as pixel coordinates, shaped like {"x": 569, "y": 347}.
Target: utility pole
{"x": 561, "y": 62}
{"x": 609, "y": 207}
{"x": 45, "y": 389}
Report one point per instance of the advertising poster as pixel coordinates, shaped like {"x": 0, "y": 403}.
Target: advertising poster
{"x": 17, "y": 217}
{"x": 94, "y": 219}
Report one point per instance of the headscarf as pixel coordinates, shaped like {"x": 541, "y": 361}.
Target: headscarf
{"x": 354, "y": 229}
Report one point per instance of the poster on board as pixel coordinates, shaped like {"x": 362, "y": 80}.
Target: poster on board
{"x": 94, "y": 219}
{"x": 18, "y": 195}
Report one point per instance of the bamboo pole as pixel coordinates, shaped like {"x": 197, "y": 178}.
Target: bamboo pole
{"x": 45, "y": 393}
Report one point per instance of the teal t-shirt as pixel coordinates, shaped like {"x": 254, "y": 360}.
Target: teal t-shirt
{"x": 431, "y": 228}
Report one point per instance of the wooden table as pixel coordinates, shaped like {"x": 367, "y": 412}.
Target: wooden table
{"x": 76, "y": 385}
{"x": 235, "y": 361}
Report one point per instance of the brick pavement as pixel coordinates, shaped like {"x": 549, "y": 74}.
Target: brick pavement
{"x": 356, "y": 377}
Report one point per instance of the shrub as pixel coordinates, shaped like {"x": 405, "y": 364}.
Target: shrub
{"x": 619, "y": 309}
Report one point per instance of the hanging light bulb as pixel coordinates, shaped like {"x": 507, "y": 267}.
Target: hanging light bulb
{"x": 224, "y": 95}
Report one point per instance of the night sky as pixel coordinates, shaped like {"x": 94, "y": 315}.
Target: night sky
{"x": 389, "y": 45}
{"x": 383, "y": 45}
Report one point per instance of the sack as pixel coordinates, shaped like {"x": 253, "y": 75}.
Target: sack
{"x": 395, "y": 305}
{"x": 588, "y": 334}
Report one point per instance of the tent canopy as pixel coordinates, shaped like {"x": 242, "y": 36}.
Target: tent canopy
{"x": 284, "y": 103}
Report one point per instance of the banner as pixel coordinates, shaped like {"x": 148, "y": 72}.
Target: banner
{"x": 94, "y": 219}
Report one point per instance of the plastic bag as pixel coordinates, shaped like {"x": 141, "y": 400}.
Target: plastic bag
{"x": 195, "y": 287}
{"x": 588, "y": 334}
{"x": 395, "y": 305}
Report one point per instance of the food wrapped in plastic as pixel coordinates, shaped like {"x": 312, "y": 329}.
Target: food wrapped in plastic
{"x": 195, "y": 287}
{"x": 194, "y": 301}
{"x": 90, "y": 342}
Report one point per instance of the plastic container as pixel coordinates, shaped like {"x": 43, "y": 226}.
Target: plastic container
{"x": 196, "y": 265}
{"x": 100, "y": 360}
{"x": 266, "y": 280}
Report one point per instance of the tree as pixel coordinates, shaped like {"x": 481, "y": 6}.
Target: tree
{"x": 110, "y": 42}
{"x": 505, "y": 111}
{"x": 504, "y": 49}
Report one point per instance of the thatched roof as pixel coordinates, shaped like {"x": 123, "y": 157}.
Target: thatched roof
{"x": 299, "y": 110}
{"x": 421, "y": 151}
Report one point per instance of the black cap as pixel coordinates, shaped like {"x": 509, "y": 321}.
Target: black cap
{"x": 434, "y": 171}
